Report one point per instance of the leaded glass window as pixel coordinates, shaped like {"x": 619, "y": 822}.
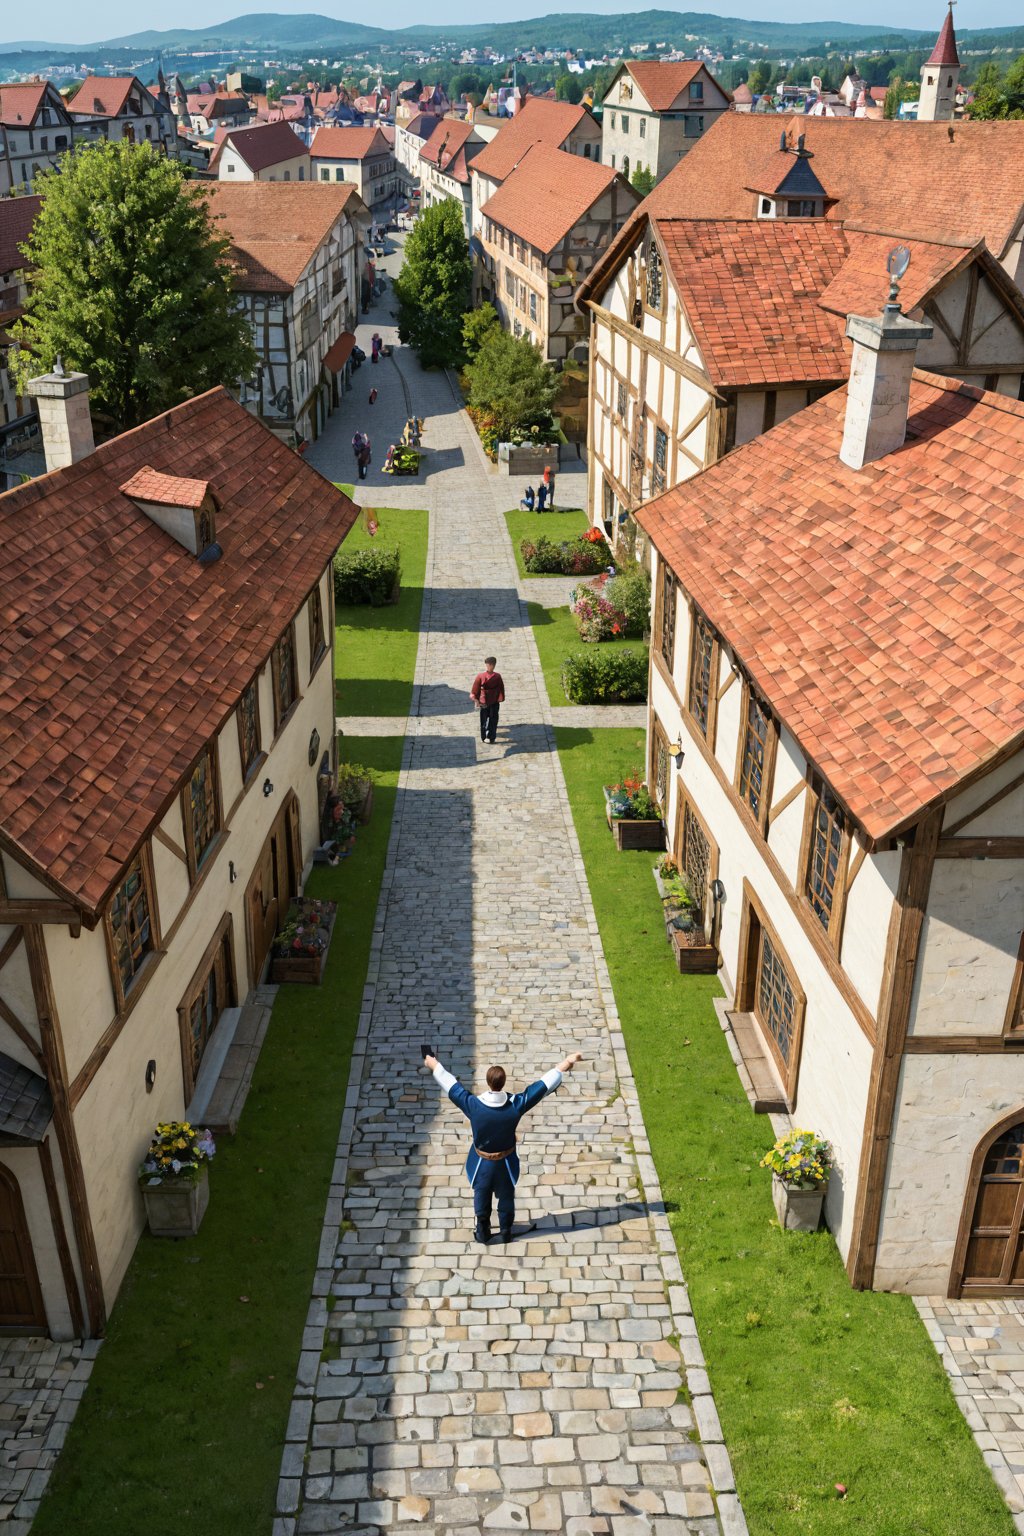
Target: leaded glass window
{"x": 283, "y": 665}
{"x": 696, "y": 858}
{"x": 202, "y": 808}
{"x": 776, "y": 1003}
{"x": 249, "y": 728}
{"x": 131, "y": 927}
{"x": 317, "y": 643}
{"x": 653, "y": 277}
{"x": 700, "y": 672}
{"x": 668, "y": 616}
{"x": 660, "y": 461}
{"x": 825, "y": 856}
{"x": 755, "y": 742}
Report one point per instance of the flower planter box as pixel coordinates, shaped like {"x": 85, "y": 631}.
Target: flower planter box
{"x": 305, "y": 969}
{"x": 798, "y": 1210}
{"x": 630, "y": 834}
{"x": 700, "y": 959}
{"x": 175, "y": 1207}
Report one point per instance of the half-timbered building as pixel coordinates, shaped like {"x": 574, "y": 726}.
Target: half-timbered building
{"x": 837, "y": 741}
{"x": 557, "y": 124}
{"x": 300, "y": 255}
{"x": 35, "y": 130}
{"x": 120, "y": 107}
{"x": 540, "y": 233}
{"x": 168, "y": 702}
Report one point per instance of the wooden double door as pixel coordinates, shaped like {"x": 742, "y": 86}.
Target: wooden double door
{"x": 989, "y": 1260}
{"x": 274, "y": 882}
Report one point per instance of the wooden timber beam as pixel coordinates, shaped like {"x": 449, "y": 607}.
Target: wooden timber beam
{"x": 42, "y": 909}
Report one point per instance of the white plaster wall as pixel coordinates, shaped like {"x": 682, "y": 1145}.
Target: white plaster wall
{"x": 866, "y": 926}
{"x": 969, "y": 944}
{"x": 727, "y": 732}
{"x": 16, "y": 994}
{"x": 231, "y": 166}
{"x": 786, "y": 829}
{"x": 1005, "y": 817}
{"x": 946, "y": 1105}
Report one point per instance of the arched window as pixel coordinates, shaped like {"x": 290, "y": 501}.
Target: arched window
{"x": 625, "y": 166}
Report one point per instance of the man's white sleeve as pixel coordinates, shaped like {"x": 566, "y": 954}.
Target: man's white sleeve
{"x": 552, "y": 1079}
{"x": 443, "y": 1078}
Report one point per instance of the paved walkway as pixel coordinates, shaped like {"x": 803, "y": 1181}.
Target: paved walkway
{"x": 981, "y": 1345}
{"x": 41, "y": 1385}
{"x": 444, "y": 1385}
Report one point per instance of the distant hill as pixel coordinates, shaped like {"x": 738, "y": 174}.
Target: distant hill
{"x": 595, "y": 33}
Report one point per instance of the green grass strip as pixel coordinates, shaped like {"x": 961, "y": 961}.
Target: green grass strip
{"x": 555, "y": 632}
{"x": 816, "y": 1384}
{"x": 183, "y": 1421}
{"x": 375, "y": 648}
{"x": 555, "y": 526}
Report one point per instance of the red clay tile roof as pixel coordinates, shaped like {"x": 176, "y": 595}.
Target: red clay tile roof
{"x": 547, "y": 193}
{"x": 19, "y": 104}
{"x": 751, "y": 290}
{"x": 103, "y": 95}
{"x": 662, "y": 83}
{"x": 348, "y": 144}
{"x": 537, "y": 122}
{"x": 120, "y": 654}
{"x": 17, "y": 216}
{"x": 276, "y": 227}
{"x": 148, "y": 484}
{"x": 878, "y": 611}
{"x": 262, "y": 146}
{"x": 862, "y": 285}
{"x": 944, "y": 52}
{"x": 447, "y": 137}
{"x": 918, "y": 184}
{"x": 421, "y": 126}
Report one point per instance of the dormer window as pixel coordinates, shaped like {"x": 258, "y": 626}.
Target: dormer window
{"x": 766, "y": 209}
{"x": 696, "y": 90}
{"x": 186, "y": 509}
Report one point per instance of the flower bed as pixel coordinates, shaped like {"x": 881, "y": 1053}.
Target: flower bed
{"x": 402, "y": 460}
{"x": 596, "y": 617}
{"x": 583, "y": 556}
{"x": 300, "y": 949}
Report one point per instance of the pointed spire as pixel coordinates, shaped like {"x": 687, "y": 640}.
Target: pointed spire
{"x": 944, "y": 53}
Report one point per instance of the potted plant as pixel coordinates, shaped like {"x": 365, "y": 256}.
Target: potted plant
{"x": 633, "y": 814}
{"x": 801, "y": 1162}
{"x": 684, "y": 922}
{"x": 173, "y": 1178}
{"x": 355, "y": 786}
{"x": 299, "y": 952}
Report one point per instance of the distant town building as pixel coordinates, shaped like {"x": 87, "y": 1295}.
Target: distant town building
{"x": 35, "y": 130}
{"x": 654, "y": 112}
{"x": 266, "y": 152}
{"x": 361, "y": 156}
{"x": 940, "y": 77}
{"x": 120, "y": 107}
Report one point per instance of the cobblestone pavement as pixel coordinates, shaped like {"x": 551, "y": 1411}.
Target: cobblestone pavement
{"x": 41, "y": 1385}
{"x": 981, "y": 1345}
{"x": 558, "y": 1384}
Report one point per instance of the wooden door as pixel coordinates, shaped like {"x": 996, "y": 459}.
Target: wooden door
{"x": 21, "y": 1301}
{"x": 993, "y": 1262}
{"x": 263, "y": 910}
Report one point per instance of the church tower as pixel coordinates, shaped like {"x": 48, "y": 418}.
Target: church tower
{"x": 940, "y": 76}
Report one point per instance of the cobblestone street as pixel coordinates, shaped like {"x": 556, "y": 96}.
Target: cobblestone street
{"x": 558, "y": 1384}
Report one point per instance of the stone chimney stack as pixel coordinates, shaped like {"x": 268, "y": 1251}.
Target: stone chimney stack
{"x": 878, "y": 394}
{"x": 63, "y": 403}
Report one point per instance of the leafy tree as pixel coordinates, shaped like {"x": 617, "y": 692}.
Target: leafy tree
{"x": 569, "y": 88}
{"x": 642, "y": 180}
{"x": 131, "y": 285}
{"x": 433, "y": 287}
{"x": 477, "y": 326}
{"x": 511, "y": 382}
{"x": 998, "y": 95}
{"x": 760, "y": 78}
{"x": 464, "y": 83}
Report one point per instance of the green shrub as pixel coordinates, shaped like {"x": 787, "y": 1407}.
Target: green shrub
{"x": 366, "y": 576}
{"x": 613, "y": 676}
{"x": 574, "y": 557}
{"x": 630, "y": 592}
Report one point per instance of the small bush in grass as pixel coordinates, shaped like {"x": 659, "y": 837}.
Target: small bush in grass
{"x": 617, "y": 676}
{"x": 629, "y": 591}
{"x": 573, "y": 557}
{"x": 366, "y": 576}
{"x": 596, "y": 617}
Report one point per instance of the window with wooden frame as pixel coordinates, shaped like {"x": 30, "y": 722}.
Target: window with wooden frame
{"x": 621, "y": 400}
{"x": 757, "y": 753}
{"x": 130, "y": 930}
{"x": 660, "y": 461}
{"x": 249, "y": 728}
{"x": 202, "y": 811}
{"x": 282, "y": 671}
{"x": 317, "y": 643}
{"x": 775, "y": 1000}
{"x": 827, "y": 849}
{"x": 654, "y": 286}
{"x": 659, "y": 765}
{"x": 703, "y": 674}
{"x": 695, "y": 859}
{"x": 211, "y": 990}
{"x": 667, "y": 616}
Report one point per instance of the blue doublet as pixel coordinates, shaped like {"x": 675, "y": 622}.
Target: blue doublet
{"x": 494, "y": 1130}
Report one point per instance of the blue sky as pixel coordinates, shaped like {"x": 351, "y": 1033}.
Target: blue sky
{"x": 68, "y": 21}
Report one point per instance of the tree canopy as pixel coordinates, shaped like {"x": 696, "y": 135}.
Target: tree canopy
{"x": 998, "y": 94}
{"x": 434, "y": 285}
{"x": 131, "y": 285}
{"x": 477, "y": 327}
{"x": 642, "y": 180}
{"x": 569, "y": 88}
{"x": 510, "y": 380}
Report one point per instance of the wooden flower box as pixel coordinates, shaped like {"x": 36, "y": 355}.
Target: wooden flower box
{"x": 306, "y": 969}
{"x": 630, "y": 834}
{"x": 700, "y": 959}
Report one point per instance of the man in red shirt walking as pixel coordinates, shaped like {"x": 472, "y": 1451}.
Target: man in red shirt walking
{"x": 488, "y": 694}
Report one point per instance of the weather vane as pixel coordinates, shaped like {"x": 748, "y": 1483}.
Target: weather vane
{"x": 896, "y": 264}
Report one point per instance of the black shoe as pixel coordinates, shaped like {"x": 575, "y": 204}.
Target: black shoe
{"x": 507, "y": 1233}
{"x": 483, "y": 1232}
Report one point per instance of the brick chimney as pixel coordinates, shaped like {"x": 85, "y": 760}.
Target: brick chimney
{"x": 62, "y": 400}
{"x": 878, "y": 394}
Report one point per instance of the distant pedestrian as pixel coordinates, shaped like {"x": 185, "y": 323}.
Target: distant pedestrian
{"x": 373, "y": 396}
{"x": 542, "y": 496}
{"x": 488, "y": 694}
{"x": 527, "y": 503}
{"x": 375, "y": 345}
{"x": 549, "y": 482}
{"x": 361, "y": 449}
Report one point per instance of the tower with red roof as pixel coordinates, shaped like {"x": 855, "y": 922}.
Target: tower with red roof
{"x": 940, "y": 76}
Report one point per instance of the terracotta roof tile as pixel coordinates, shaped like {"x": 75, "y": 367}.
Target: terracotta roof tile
{"x": 19, "y": 104}
{"x": 148, "y": 484}
{"x": 536, "y": 122}
{"x": 17, "y": 216}
{"x": 102, "y": 95}
{"x": 861, "y": 287}
{"x": 662, "y": 83}
{"x": 446, "y": 139}
{"x": 263, "y": 145}
{"x": 120, "y": 654}
{"x": 878, "y": 611}
{"x": 547, "y": 193}
{"x": 348, "y": 144}
{"x": 276, "y": 227}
